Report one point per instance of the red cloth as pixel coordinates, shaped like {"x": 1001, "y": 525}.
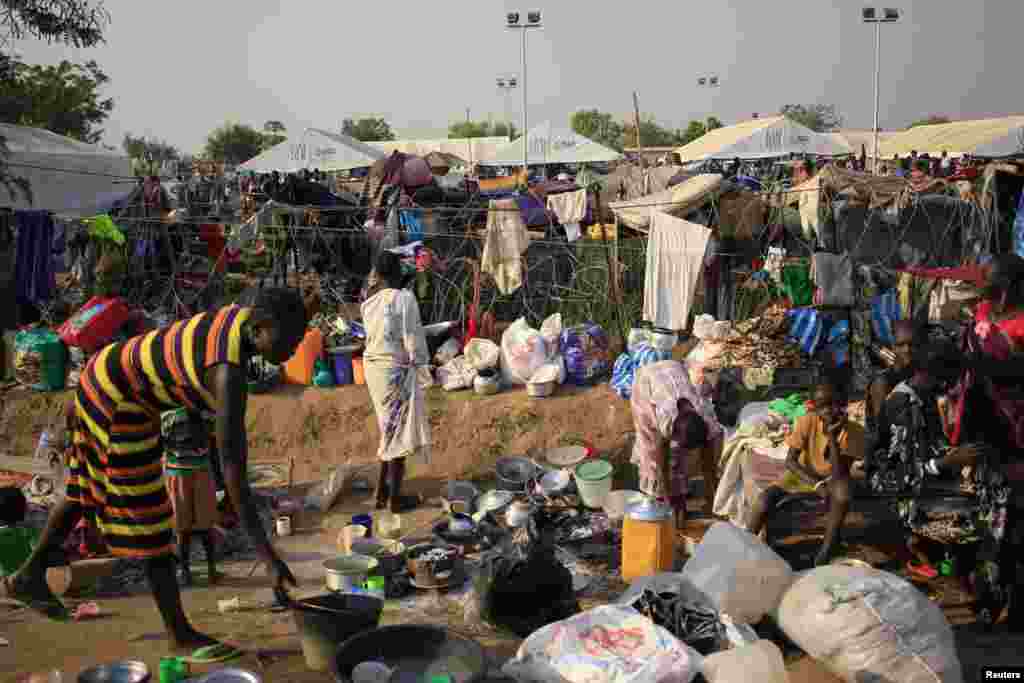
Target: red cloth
{"x": 975, "y": 274}
{"x": 213, "y": 235}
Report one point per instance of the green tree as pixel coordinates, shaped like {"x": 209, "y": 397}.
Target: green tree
{"x": 694, "y": 130}
{"x": 64, "y": 99}
{"x": 817, "y": 117}
{"x": 601, "y": 127}
{"x": 932, "y": 120}
{"x": 233, "y": 143}
{"x": 368, "y": 129}
{"x": 652, "y": 134}
{"x": 78, "y": 23}
{"x": 481, "y": 129}
{"x": 148, "y": 154}
{"x": 712, "y": 123}
{"x": 273, "y": 134}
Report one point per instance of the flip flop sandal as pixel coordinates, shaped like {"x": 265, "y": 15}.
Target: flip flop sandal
{"x": 922, "y": 571}
{"x": 53, "y": 610}
{"x": 213, "y": 654}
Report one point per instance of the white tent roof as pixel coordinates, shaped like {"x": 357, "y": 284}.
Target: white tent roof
{"x": 549, "y": 145}
{"x": 66, "y": 176}
{"x": 467, "y": 149}
{"x": 761, "y": 139}
{"x": 315, "y": 149}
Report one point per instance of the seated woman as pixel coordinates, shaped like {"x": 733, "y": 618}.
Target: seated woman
{"x": 818, "y": 462}
{"x": 671, "y": 421}
{"x": 910, "y": 447}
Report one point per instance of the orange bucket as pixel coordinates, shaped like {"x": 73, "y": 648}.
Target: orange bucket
{"x": 357, "y": 371}
{"x": 299, "y": 368}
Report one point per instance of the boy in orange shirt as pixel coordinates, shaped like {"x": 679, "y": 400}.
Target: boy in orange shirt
{"x": 818, "y": 462}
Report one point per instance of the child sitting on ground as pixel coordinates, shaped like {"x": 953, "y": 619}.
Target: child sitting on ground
{"x": 190, "y": 486}
{"x": 818, "y": 463}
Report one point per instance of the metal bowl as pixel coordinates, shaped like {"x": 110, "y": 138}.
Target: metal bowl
{"x": 554, "y": 482}
{"x": 514, "y": 472}
{"x": 231, "y": 676}
{"x": 494, "y": 501}
{"x": 118, "y": 672}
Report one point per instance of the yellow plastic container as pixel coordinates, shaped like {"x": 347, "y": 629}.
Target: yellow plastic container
{"x": 648, "y": 540}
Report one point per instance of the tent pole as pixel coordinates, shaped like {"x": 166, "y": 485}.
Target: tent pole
{"x": 878, "y": 50}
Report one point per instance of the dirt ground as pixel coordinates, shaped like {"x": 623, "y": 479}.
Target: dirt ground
{"x": 321, "y": 428}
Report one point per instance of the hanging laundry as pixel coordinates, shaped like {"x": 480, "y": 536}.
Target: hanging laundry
{"x": 906, "y": 293}
{"x": 833, "y": 275}
{"x": 1018, "y": 228}
{"x": 410, "y": 221}
{"x": 796, "y": 283}
{"x": 675, "y": 260}
{"x": 504, "y": 245}
{"x": 571, "y": 208}
{"x": 34, "y": 278}
{"x": 885, "y": 310}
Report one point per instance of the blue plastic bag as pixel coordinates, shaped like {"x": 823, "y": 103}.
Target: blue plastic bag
{"x": 805, "y": 329}
{"x": 885, "y": 310}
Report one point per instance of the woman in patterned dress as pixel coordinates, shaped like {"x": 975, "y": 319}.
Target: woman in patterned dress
{"x": 396, "y": 366}
{"x": 989, "y": 407}
{"x": 115, "y": 469}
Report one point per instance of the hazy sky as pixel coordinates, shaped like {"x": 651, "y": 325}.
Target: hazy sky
{"x": 181, "y": 68}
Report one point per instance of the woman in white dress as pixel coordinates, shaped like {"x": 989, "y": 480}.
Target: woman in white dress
{"x": 397, "y": 373}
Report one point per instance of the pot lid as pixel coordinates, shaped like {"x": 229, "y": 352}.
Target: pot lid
{"x": 649, "y": 510}
{"x": 594, "y": 470}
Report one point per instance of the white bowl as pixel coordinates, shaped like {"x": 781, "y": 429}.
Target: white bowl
{"x": 616, "y": 502}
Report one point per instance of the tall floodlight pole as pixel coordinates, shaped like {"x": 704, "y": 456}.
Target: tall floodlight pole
{"x": 871, "y": 15}
{"x": 532, "y": 21}
{"x": 507, "y": 84}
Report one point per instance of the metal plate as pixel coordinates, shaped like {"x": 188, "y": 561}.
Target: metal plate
{"x": 118, "y": 672}
{"x": 231, "y": 676}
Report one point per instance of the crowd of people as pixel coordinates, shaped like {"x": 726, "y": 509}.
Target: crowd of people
{"x": 943, "y": 441}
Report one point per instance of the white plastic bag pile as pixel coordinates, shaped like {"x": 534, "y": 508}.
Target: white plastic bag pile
{"x": 607, "y": 644}
{"x": 737, "y": 573}
{"x": 525, "y": 355}
{"x": 700, "y": 361}
{"x": 525, "y": 351}
{"x": 865, "y": 624}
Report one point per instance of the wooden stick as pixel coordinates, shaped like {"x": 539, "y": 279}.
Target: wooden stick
{"x": 291, "y": 470}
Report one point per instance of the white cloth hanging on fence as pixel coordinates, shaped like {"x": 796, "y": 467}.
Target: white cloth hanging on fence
{"x": 504, "y": 244}
{"x": 675, "y": 260}
{"x": 571, "y": 209}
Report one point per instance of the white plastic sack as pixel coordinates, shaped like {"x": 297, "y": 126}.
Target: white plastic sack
{"x": 449, "y": 350}
{"x": 866, "y": 624}
{"x": 608, "y": 644}
{"x": 699, "y": 364}
{"x": 456, "y": 374}
{"x": 523, "y": 351}
{"x": 738, "y": 573}
{"x": 761, "y": 661}
{"x": 551, "y": 330}
{"x": 482, "y": 353}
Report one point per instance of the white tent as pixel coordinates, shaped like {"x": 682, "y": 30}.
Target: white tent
{"x": 315, "y": 149}
{"x": 766, "y": 138}
{"x": 548, "y": 145}
{"x": 66, "y": 176}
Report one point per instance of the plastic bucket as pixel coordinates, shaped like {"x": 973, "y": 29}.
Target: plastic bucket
{"x": 326, "y": 621}
{"x": 341, "y": 362}
{"x": 594, "y": 481}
